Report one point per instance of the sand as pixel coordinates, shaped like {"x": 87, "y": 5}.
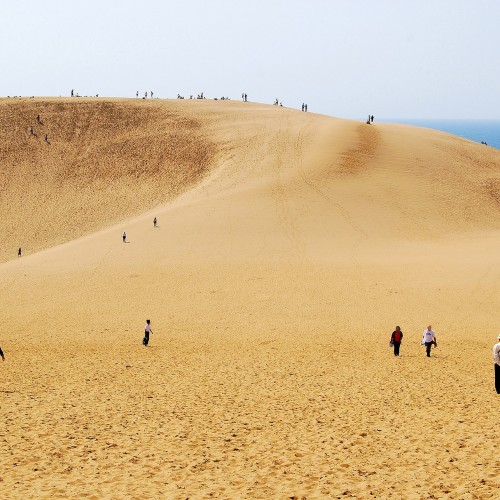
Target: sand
{"x": 289, "y": 245}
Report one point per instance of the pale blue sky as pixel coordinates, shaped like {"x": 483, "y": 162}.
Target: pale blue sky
{"x": 347, "y": 58}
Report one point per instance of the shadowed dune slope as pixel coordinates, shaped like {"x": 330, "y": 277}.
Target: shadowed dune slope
{"x": 288, "y": 247}
{"x": 102, "y": 162}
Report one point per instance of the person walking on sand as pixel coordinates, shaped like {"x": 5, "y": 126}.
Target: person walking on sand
{"x": 429, "y": 339}
{"x": 154, "y": 222}
{"x": 147, "y": 331}
{"x": 2, "y": 354}
{"x": 19, "y": 252}
{"x": 124, "y": 237}
{"x": 496, "y": 357}
{"x": 396, "y": 338}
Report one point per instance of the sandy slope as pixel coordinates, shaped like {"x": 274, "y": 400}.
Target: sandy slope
{"x": 289, "y": 246}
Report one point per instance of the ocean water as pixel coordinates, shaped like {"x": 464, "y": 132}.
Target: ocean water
{"x": 475, "y": 130}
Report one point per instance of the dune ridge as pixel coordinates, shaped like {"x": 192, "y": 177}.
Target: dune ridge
{"x": 273, "y": 281}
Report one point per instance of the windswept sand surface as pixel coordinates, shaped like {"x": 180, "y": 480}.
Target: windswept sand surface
{"x": 289, "y": 245}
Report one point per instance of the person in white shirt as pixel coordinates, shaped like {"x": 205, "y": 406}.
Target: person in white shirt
{"x": 496, "y": 357}
{"x": 147, "y": 331}
{"x": 429, "y": 338}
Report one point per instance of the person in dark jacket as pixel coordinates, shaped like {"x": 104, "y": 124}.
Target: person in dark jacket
{"x": 396, "y": 338}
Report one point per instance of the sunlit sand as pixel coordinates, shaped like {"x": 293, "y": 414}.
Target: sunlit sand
{"x": 289, "y": 245}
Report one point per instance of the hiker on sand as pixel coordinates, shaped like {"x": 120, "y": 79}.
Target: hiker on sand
{"x": 496, "y": 357}
{"x": 154, "y": 222}
{"x": 124, "y": 236}
{"x": 2, "y": 355}
{"x": 147, "y": 331}
{"x": 19, "y": 252}
{"x": 396, "y": 338}
{"x": 429, "y": 339}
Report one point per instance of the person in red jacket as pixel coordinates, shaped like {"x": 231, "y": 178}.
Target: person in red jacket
{"x": 396, "y": 338}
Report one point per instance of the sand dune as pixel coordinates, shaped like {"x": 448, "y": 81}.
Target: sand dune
{"x": 288, "y": 247}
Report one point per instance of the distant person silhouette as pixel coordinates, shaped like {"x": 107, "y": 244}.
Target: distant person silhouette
{"x": 305, "y": 108}
{"x": 19, "y": 252}
{"x": 147, "y": 331}
{"x": 72, "y": 92}
{"x": 2, "y": 355}
{"x": 154, "y": 222}
{"x": 371, "y": 118}
{"x": 124, "y": 236}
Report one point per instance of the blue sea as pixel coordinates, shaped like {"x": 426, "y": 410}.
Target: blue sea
{"x": 475, "y": 130}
